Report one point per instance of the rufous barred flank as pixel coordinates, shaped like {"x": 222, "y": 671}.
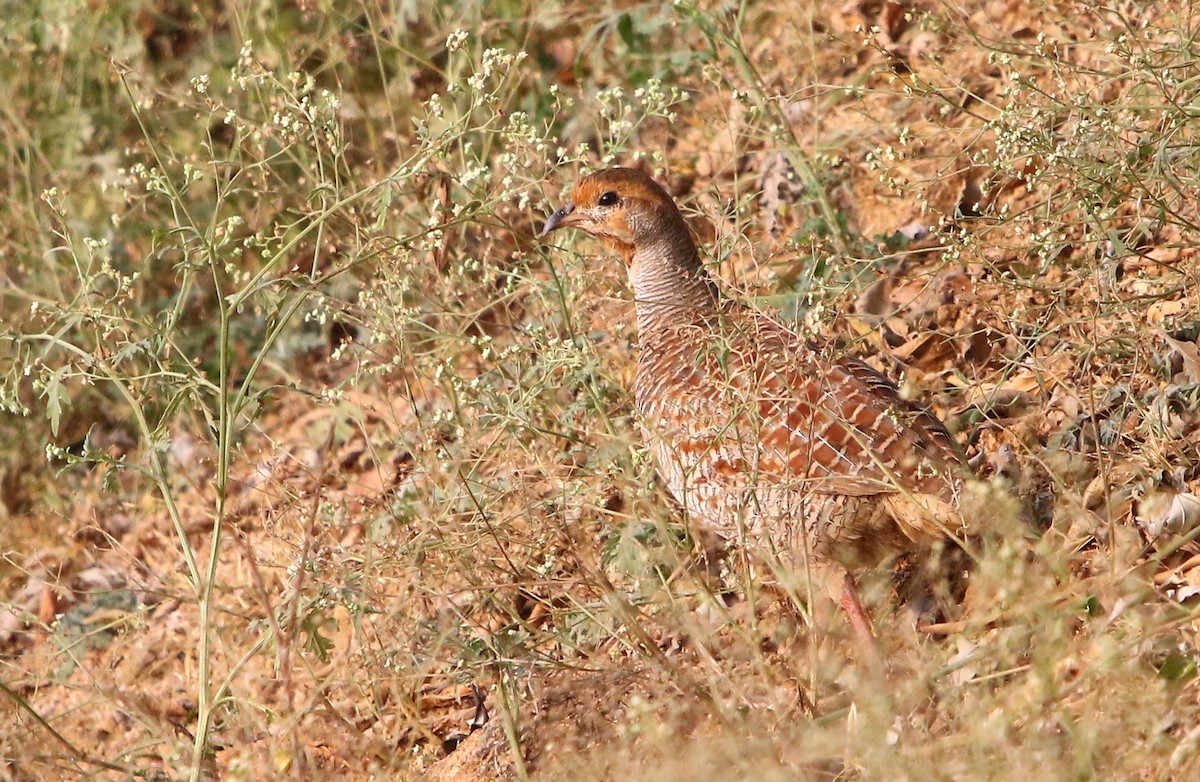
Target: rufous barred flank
{"x": 755, "y": 430}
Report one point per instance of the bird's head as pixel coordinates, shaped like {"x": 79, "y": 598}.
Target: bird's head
{"x": 623, "y": 208}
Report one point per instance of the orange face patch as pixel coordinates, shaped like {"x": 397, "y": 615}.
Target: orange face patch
{"x": 627, "y": 183}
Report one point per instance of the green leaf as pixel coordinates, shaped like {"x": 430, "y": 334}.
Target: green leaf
{"x": 626, "y": 31}
{"x": 317, "y": 643}
{"x": 1176, "y": 668}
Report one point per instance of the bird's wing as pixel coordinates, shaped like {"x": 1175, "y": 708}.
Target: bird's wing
{"x": 770, "y": 405}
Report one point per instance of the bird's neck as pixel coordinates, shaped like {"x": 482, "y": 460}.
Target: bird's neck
{"x": 670, "y": 285}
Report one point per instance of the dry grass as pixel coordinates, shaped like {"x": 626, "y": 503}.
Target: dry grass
{"x": 272, "y": 274}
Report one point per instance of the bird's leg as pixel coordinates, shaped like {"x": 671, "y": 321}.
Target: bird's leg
{"x": 861, "y": 624}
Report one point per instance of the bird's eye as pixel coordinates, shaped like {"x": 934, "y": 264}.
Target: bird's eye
{"x": 608, "y": 199}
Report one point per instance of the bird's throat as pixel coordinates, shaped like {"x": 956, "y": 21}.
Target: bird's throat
{"x": 670, "y": 286}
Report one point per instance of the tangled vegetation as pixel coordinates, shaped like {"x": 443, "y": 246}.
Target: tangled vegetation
{"x": 319, "y": 464}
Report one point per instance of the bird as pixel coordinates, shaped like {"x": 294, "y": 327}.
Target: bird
{"x": 758, "y": 432}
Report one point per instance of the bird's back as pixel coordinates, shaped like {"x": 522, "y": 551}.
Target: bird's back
{"x": 757, "y": 430}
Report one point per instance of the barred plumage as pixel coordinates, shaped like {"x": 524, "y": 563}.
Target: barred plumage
{"x": 753, "y": 428}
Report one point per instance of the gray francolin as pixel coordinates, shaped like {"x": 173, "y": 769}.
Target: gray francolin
{"x": 756, "y": 431}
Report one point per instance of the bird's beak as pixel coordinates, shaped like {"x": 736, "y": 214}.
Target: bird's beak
{"x": 557, "y": 219}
